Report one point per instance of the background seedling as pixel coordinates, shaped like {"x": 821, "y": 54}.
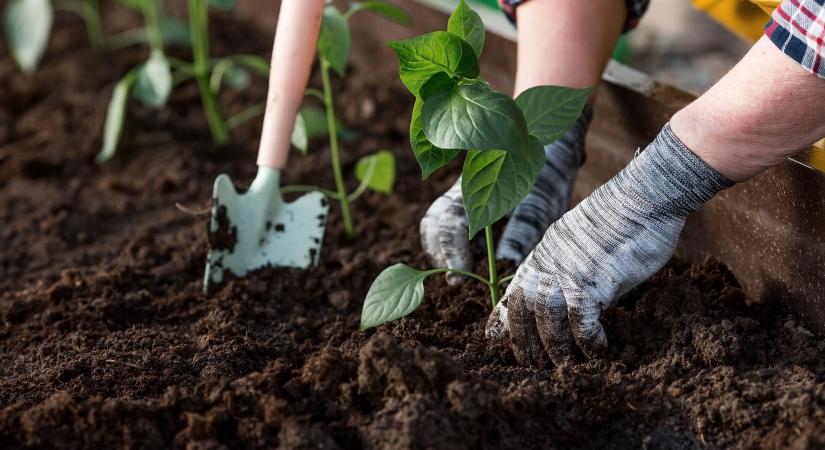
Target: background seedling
{"x": 28, "y": 25}
{"x": 376, "y": 172}
{"x": 456, "y": 111}
{"x": 152, "y": 82}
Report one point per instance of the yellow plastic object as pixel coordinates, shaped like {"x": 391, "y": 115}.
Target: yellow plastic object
{"x": 767, "y": 5}
{"x": 740, "y": 16}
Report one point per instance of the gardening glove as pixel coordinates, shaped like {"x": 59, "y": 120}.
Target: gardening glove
{"x": 444, "y": 231}
{"x": 616, "y": 238}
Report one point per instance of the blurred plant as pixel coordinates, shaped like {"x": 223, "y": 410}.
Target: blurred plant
{"x": 456, "y": 110}
{"x": 152, "y": 82}
{"x": 376, "y": 171}
{"x": 28, "y": 26}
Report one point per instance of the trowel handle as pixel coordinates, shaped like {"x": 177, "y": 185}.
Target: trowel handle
{"x": 298, "y": 24}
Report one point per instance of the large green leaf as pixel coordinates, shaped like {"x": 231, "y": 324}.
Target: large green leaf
{"x": 473, "y": 116}
{"x": 397, "y": 292}
{"x": 28, "y": 24}
{"x": 551, "y": 110}
{"x": 378, "y": 170}
{"x": 466, "y": 24}
{"x": 495, "y": 181}
{"x": 429, "y": 157}
{"x": 154, "y": 81}
{"x": 115, "y": 116}
{"x": 383, "y": 9}
{"x": 335, "y": 42}
{"x": 424, "y": 56}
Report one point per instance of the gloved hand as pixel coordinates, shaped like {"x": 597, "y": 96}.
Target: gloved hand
{"x": 616, "y": 238}
{"x": 444, "y": 231}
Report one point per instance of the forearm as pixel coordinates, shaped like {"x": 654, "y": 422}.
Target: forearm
{"x": 566, "y": 42}
{"x": 765, "y": 109}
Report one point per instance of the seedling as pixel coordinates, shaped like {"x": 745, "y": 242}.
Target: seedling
{"x": 152, "y": 82}
{"x": 28, "y": 26}
{"x": 377, "y": 171}
{"x": 456, "y": 111}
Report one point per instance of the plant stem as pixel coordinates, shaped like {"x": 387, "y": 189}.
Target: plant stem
{"x": 333, "y": 145}
{"x": 198, "y": 27}
{"x": 460, "y": 272}
{"x": 503, "y": 280}
{"x": 152, "y": 19}
{"x": 91, "y": 15}
{"x": 491, "y": 264}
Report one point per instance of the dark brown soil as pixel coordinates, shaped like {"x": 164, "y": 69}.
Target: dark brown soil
{"x": 106, "y": 340}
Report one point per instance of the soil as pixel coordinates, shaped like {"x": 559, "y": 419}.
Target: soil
{"x": 107, "y": 341}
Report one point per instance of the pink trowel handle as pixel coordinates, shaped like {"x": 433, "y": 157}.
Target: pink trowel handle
{"x": 298, "y": 24}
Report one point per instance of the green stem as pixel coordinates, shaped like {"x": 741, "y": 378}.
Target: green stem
{"x": 365, "y": 182}
{"x": 503, "y": 280}
{"x": 315, "y": 93}
{"x": 94, "y": 29}
{"x": 491, "y": 264}
{"x": 152, "y": 19}
{"x": 333, "y": 145}
{"x": 461, "y": 272}
{"x": 247, "y": 114}
{"x": 198, "y": 27}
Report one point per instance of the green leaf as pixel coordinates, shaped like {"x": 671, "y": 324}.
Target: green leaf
{"x": 429, "y": 157}
{"x": 154, "y": 81}
{"x": 225, "y": 5}
{"x": 379, "y": 171}
{"x": 252, "y": 62}
{"x": 395, "y": 293}
{"x": 115, "y": 116}
{"x": 334, "y": 42}
{"x": 237, "y": 78}
{"x": 315, "y": 120}
{"x": 174, "y": 31}
{"x": 466, "y": 24}
{"x": 28, "y": 24}
{"x": 424, "y": 56}
{"x": 299, "y": 138}
{"x": 385, "y": 10}
{"x": 550, "y": 111}
{"x": 494, "y": 182}
{"x": 473, "y": 116}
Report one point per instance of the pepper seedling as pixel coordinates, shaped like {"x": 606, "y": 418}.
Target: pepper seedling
{"x": 152, "y": 82}
{"x": 503, "y": 139}
{"x": 28, "y": 26}
{"x": 376, "y": 171}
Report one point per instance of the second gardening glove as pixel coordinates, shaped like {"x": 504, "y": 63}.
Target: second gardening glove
{"x": 444, "y": 232}
{"x": 612, "y": 241}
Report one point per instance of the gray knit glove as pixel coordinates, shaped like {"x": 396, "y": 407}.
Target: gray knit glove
{"x": 616, "y": 238}
{"x": 444, "y": 232}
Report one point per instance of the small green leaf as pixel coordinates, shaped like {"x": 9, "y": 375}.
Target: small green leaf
{"x": 379, "y": 171}
{"x": 334, "y": 42}
{"x": 395, "y": 293}
{"x": 154, "y": 81}
{"x": 494, "y": 182}
{"x": 115, "y": 117}
{"x": 226, "y": 5}
{"x": 237, "y": 78}
{"x": 252, "y": 62}
{"x": 551, "y": 110}
{"x": 429, "y": 157}
{"x": 424, "y": 56}
{"x": 466, "y": 24}
{"x": 385, "y": 10}
{"x": 299, "y": 135}
{"x": 473, "y": 116}
{"x": 28, "y": 24}
{"x": 315, "y": 120}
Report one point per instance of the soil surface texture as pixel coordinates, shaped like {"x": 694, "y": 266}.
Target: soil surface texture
{"x": 107, "y": 340}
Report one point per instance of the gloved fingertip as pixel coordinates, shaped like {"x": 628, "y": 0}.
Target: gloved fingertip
{"x": 497, "y": 327}
{"x": 454, "y": 279}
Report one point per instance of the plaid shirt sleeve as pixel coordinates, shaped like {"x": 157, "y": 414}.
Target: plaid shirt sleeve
{"x": 635, "y": 11}
{"x": 797, "y": 27}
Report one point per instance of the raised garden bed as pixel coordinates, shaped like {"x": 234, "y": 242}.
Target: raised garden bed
{"x": 107, "y": 341}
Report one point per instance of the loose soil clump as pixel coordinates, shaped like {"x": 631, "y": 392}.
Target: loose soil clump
{"x": 107, "y": 341}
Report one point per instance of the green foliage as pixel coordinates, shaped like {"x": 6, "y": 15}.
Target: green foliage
{"x": 335, "y": 42}
{"x": 226, "y": 5}
{"x": 396, "y": 292}
{"x": 466, "y": 24}
{"x": 115, "y": 116}
{"x": 551, "y": 110}
{"x": 378, "y": 170}
{"x": 154, "y": 81}
{"x": 28, "y": 25}
{"x": 455, "y": 110}
{"x": 386, "y": 10}
{"x": 424, "y": 56}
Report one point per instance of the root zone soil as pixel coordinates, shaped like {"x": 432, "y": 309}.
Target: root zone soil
{"x": 106, "y": 340}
